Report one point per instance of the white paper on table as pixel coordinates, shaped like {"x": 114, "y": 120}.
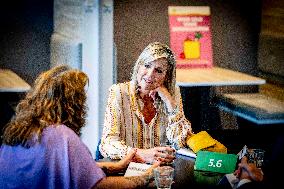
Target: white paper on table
{"x": 232, "y": 179}
{"x": 186, "y": 152}
{"x": 136, "y": 169}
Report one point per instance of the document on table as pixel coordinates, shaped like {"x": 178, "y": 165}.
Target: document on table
{"x": 186, "y": 152}
{"x": 232, "y": 179}
{"x": 136, "y": 169}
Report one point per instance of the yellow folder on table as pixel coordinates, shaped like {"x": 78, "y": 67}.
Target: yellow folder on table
{"x": 203, "y": 141}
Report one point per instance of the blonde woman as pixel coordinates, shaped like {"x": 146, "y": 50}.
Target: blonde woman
{"x": 146, "y": 111}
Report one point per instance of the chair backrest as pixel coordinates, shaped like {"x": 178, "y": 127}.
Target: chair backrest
{"x": 98, "y": 153}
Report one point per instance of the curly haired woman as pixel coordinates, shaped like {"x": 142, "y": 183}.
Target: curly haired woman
{"x": 41, "y": 145}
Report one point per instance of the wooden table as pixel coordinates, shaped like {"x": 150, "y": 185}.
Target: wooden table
{"x": 254, "y": 107}
{"x": 11, "y": 82}
{"x": 214, "y": 77}
{"x": 11, "y": 85}
{"x": 196, "y": 85}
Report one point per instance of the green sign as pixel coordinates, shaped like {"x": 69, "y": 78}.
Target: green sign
{"x": 207, "y": 178}
{"x": 215, "y": 162}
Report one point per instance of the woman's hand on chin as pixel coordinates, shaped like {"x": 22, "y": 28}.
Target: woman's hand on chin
{"x": 165, "y": 96}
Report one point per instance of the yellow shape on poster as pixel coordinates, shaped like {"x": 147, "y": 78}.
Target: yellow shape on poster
{"x": 191, "y": 49}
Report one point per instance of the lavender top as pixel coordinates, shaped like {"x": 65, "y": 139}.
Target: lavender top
{"x": 60, "y": 160}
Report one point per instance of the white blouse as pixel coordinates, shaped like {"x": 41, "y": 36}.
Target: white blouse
{"x": 125, "y": 128}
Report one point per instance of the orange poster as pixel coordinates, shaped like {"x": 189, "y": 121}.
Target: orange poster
{"x": 190, "y": 36}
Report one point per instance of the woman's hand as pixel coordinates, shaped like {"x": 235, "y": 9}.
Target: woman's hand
{"x": 149, "y": 174}
{"x": 157, "y": 154}
{"x": 248, "y": 171}
{"x": 165, "y": 96}
{"x": 120, "y": 166}
{"x": 123, "y": 163}
{"x": 119, "y": 182}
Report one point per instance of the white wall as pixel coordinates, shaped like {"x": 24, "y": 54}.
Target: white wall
{"x": 90, "y": 65}
{"x": 89, "y": 24}
{"x": 98, "y": 63}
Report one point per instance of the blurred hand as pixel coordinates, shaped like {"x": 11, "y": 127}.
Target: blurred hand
{"x": 123, "y": 163}
{"x": 120, "y": 166}
{"x": 157, "y": 154}
{"x": 248, "y": 171}
{"x": 149, "y": 171}
{"x": 149, "y": 174}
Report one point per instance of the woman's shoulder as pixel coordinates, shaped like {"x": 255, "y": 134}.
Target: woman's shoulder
{"x": 177, "y": 89}
{"x": 59, "y": 131}
{"x": 121, "y": 87}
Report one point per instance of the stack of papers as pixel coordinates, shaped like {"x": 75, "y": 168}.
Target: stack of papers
{"x": 186, "y": 152}
{"x": 136, "y": 169}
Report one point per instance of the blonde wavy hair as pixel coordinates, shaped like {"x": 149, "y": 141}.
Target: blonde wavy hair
{"x": 57, "y": 97}
{"x": 152, "y": 52}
